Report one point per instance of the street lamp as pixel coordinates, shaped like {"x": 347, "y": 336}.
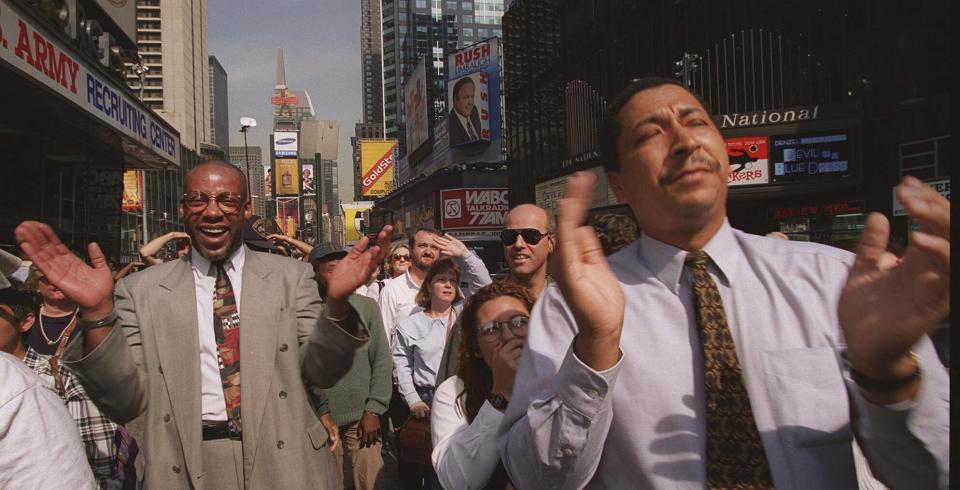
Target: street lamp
{"x": 246, "y": 123}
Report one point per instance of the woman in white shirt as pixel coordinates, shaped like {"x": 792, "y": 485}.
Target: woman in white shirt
{"x": 467, "y": 408}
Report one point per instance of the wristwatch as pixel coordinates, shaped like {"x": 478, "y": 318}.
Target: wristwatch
{"x": 882, "y": 386}
{"x": 497, "y": 401}
{"x": 108, "y": 320}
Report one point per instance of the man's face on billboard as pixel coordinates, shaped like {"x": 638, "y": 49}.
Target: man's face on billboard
{"x": 463, "y": 101}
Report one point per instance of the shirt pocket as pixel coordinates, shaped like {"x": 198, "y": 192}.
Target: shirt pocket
{"x": 808, "y": 398}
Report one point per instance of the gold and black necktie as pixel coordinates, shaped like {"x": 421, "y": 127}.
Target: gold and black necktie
{"x": 735, "y": 457}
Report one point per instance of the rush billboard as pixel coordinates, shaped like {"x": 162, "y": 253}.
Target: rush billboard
{"x": 481, "y": 208}
{"x": 376, "y": 167}
{"x": 473, "y": 94}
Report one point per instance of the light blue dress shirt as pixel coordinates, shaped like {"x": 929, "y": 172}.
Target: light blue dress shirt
{"x": 641, "y": 424}
{"x": 418, "y": 350}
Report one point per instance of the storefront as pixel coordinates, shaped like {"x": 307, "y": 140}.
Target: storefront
{"x": 69, "y": 127}
{"x": 797, "y": 171}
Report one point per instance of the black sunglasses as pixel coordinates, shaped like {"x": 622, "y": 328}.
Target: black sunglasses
{"x": 530, "y": 236}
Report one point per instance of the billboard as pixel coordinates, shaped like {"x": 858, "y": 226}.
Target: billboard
{"x": 749, "y": 162}
{"x": 268, "y": 182}
{"x": 376, "y": 167}
{"x": 285, "y": 144}
{"x": 813, "y": 157}
{"x": 473, "y": 208}
{"x": 288, "y": 216}
{"x": 308, "y": 178}
{"x": 473, "y": 94}
{"x": 287, "y": 177}
{"x": 132, "y": 190}
{"x": 415, "y": 100}
{"x": 353, "y": 225}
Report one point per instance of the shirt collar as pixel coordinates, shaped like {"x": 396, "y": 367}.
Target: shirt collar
{"x": 202, "y": 265}
{"x": 666, "y": 261}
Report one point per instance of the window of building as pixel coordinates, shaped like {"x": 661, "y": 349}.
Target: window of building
{"x": 483, "y": 33}
{"x": 452, "y": 5}
{"x": 467, "y": 32}
{"x": 467, "y": 19}
{"x": 421, "y": 4}
{"x": 467, "y": 5}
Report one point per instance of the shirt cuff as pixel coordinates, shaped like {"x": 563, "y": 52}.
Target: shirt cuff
{"x": 583, "y": 389}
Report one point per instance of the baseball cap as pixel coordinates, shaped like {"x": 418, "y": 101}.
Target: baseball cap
{"x": 326, "y": 251}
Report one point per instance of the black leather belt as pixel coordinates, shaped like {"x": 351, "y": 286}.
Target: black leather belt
{"x": 218, "y": 430}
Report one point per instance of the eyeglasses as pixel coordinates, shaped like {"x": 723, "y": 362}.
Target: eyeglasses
{"x": 492, "y": 329}
{"x": 397, "y": 257}
{"x": 228, "y": 202}
{"x": 530, "y": 236}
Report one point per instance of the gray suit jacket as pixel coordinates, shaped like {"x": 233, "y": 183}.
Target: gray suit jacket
{"x": 149, "y": 364}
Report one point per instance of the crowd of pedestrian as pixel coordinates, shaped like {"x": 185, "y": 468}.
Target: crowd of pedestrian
{"x": 662, "y": 350}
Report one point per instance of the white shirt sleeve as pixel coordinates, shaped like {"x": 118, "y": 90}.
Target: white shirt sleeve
{"x": 40, "y": 441}
{"x": 464, "y": 455}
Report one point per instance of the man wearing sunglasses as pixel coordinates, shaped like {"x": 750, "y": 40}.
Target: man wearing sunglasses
{"x": 170, "y": 343}
{"x": 527, "y": 239}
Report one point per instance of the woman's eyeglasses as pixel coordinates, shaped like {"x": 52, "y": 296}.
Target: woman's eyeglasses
{"x": 398, "y": 257}
{"x": 492, "y": 329}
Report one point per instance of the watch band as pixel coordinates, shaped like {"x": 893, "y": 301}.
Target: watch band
{"x": 498, "y": 401}
{"x": 882, "y": 386}
{"x": 108, "y": 320}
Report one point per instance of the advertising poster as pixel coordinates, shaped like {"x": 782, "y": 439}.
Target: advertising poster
{"x": 376, "y": 167}
{"x": 288, "y": 216}
{"x": 353, "y": 224}
{"x": 287, "y": 176}
{"x": 473, "y": 94}
{"x": 307, "y": 177}
{"x": 415, "y": 99}
{"x": 133, "y": 190}
{"x": 268, "y": 182}
{"x": 285, "y": 144}
{"x": 749, "y": 163}
{"x": 473, "y": 208}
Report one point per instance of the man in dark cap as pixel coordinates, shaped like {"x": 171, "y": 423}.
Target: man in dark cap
{"x": 358, "y": 400}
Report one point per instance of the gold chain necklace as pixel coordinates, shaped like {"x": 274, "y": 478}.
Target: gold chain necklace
{"x": 43, "y": 331}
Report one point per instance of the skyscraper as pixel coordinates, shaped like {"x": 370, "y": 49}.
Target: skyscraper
{"x": 238, "y": 157}
{"x": 219, "y": 122}
{"x": 371, "y": 59}
{"x": 172, "y": 42}
{"x": 432, "y": 29}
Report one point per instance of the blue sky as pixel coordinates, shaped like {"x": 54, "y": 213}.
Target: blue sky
{"x": 321, "y": 46}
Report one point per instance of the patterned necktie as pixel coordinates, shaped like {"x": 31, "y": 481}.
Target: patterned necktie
{"x": 735, "y": 457}
{"x": 226, "y": 331}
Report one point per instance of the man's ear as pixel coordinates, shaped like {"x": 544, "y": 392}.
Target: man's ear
{"x": 26, "y": 323}
{"x": 613, "y": 179}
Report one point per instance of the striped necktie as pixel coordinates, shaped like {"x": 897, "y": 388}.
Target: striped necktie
{"x": 735, "y": 457}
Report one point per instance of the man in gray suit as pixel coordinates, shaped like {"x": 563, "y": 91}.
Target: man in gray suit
{"x": 170, "y": 343}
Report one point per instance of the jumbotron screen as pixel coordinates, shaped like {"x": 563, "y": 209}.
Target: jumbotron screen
{"x": 811, "y": 157}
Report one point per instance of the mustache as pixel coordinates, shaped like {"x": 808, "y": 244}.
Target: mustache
{"x": 691, "y": 163}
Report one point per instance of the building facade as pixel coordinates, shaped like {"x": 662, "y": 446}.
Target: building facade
{"x": 238, "y": 156}
{"x": 824, "y": 105}
{"x": 69, "y": 134}
{"x": 219, "y": 108}
{"x": 371, "y": 60}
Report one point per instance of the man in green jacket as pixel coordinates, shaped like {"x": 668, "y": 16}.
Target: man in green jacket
{"x": 363, "y": 394}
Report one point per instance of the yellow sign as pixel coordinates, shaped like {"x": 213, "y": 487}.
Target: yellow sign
{"x": 353, "y": 228}
{"x": 132, "y": 190}
{"x": 376, "y": 167}
{"x": 287, "y": 176}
